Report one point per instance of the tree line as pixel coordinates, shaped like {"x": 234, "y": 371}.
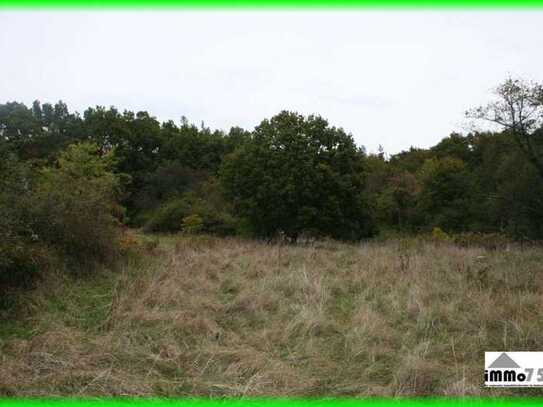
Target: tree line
{"x": 68, "y": 180}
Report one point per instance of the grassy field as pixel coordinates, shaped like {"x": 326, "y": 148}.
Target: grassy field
{"x": 226, "y": 317}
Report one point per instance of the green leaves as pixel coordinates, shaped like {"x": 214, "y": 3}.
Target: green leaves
{"x": 298, "y": 175}
{"x": 76, "y": 204}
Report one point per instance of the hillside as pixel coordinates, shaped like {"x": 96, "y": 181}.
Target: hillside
{"x": 226, "y": 317}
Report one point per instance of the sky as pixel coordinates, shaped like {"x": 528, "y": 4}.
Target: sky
{"x": 390, "y": 78}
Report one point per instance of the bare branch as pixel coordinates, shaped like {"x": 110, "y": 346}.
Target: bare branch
{"x": 517, "y": 109}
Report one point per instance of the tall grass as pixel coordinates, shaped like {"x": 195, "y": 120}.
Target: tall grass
{"x": 226, "y": 317}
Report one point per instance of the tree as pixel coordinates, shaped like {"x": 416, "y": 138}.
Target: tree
{"x": 75, "y": 205}
{"x": 39, "y": 133}
{"x": 193, "y": 147}
{"x": 518, "y": 110}
{"x": 399, "y": 199}
{"x": 299, "y": 175}
{"x": 518, "y": 198}
{"x": 445, "y": 193}
{"x": 18, "y": 128}
{"x": 454, "y": 146}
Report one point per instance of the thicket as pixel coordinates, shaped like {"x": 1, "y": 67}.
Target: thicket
{"x": 65, "y": 215}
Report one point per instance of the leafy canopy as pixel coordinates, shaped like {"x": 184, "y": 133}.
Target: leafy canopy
{"x": 299, "y": 175}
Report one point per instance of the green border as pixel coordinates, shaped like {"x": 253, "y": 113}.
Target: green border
{"x": 256, "y": 5}
{"x": 272, "y": 4}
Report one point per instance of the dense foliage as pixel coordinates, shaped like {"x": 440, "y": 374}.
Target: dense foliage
{"x": 67, "y": 180}
{"x": 63, "y": 215}
{"x": 299, "y": 175}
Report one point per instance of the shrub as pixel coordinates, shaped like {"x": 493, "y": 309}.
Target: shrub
{"x": 205, "y": 202}
{"x": 209, "y": 204}
{"x": 192, "y": 224}
{"x": 445, "y": 193}
{"x": 169, "y": 216}
{"x": 62, "y": 214}
{"x": 439, "y": 236}
{"x": 75, "y": 206}
{"x": 20, "y": 254}
{"x": 168, "y": 181}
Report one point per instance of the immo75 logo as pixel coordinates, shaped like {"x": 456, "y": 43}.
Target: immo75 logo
{"x": 514, "y": 369}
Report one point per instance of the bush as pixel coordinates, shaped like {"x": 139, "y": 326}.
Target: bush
{"x": 75, "y": 206}
{"x": 62, "y": 214}
{"x": 439, "y": 236}
{"x": 446, "y": 188}
{"x": 192, "y": 224}
{"x": 20, "y": 254}
{"x": 206, "y": 203}
{"x": 168, "y": 217}
{"x": 168, "y": 181}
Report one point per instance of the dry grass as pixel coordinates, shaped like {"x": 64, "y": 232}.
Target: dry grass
{"x": 225, "y": 317}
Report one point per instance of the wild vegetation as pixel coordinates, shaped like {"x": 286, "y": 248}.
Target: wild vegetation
{"x": 435, "y": 256}
{"x": 208, "y": 316}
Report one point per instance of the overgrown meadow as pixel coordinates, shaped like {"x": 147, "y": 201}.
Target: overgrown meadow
{"x": 148, "y": 258}
{"x": 207, "y": 316}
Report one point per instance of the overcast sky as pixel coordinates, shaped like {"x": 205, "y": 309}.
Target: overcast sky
{"x": 398, "y": 79}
